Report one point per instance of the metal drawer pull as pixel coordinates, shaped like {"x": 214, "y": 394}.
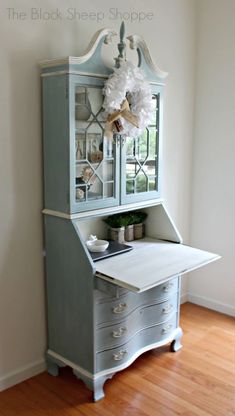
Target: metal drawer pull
{"x": 167, "y": 287}
{"x": 168, "y": 308}
{"x": 166, "y": 328}
{"x": 120, "y": 308}
{"x": 119, "y": 333}
{"x": 119, "y": 355}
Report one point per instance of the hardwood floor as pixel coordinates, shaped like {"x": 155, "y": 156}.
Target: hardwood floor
{"x": 197, "y": 380}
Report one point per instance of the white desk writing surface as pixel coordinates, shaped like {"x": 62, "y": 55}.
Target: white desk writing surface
{"x": 150, "y": 263}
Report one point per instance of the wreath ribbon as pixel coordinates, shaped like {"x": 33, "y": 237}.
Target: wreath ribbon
{"x": 114, "y": 122}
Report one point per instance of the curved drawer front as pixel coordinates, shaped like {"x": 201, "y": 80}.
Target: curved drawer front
{"x": 140, "y": 318}
{"x": 120, "y": 355}
{"x": 106, "y": 290}
{"x": 116, "y": 309}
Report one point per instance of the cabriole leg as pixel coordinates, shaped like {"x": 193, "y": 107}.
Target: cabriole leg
{"x": 176, "y": 344}
{"x": 96, "y": 386}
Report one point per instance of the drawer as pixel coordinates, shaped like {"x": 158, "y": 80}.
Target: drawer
{"x": 142, "y": 317}
{"x": 113, "y": 309}
{"x": 119, "y": 356}
{"x": 105, "y": 290}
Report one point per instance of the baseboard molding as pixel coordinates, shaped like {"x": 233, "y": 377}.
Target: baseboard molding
{"x": 211, "y": 304}
{"x": 22, "y": 374}
{"x": 184, "y": 298}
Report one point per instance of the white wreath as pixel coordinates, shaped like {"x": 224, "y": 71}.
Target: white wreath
{"x": 129, "y": 79}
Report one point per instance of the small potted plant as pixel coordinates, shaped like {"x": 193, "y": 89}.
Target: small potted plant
{"x": 117, "y": 224}
{"x": 138, "y": 219}
{"x": 129, "y": 226}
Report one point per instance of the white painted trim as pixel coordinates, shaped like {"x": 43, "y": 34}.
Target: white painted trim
{"x": 57, "y": 214}
{"x": 69, "y": 363}
{"x": 21, "y": 374}
{"x": 104, "y": 211}
{"x": 94, "y": 377}
{"x": 136, "y": 42}
{"x": 212, "y": 304}
{"x": 73, "y": 60}
{"x": 65, "y": 72}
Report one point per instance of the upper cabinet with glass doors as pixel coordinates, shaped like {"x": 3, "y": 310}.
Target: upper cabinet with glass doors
{"x": 83, "y": 168}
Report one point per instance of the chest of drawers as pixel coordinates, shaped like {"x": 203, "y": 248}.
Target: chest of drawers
{"x": 133, "y": 323}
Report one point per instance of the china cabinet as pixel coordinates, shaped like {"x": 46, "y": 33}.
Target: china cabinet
{"x": 103, "y": 314}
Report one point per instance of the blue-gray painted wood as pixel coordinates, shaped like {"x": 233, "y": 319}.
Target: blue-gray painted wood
{"x": 70, "y": 284}
{"x": 59, "y": 146}
{"x": 55, "y": 143}
{"x": 105, "y": 310}
{"x": 121, "y": 47}
{"x": 59, "y": 137}
{"x": 112, "y": 358}
{"x": 140, "y": 318}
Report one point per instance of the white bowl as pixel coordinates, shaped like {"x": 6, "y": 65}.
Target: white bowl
{"x": 97, "y": 245}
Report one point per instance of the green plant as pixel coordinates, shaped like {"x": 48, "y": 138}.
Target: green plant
{"x": 139, "y": 217}
{"x": 116, "y": 221}
{"x": 125, "y": 219}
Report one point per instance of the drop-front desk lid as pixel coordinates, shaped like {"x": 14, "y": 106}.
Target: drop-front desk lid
{"x": 150, "y": 263}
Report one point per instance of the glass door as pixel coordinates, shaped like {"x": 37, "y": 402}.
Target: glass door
{"x": 140, "y": 161}
{"x": 95, "y": 168}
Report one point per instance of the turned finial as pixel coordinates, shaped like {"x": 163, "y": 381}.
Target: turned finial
{"x": 121, "y": 47}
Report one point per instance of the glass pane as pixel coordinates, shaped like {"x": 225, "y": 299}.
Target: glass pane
{"x": 130, "y": 147}
{"x": 95, "y": 164}
{"x": 155, "y": 109}
{"x": 152, "y": 184}
{"x": 106, "y": 170}
{"x": 108, "y": 189}
{"x": 153, "y": 141}
{"x": 150, "y": 167}
{"x": 84, "y": 180}
{"x": 107, "y": 147}
{"x": 96, "y": 190}
{"x": 82, "y": 104}
{"x": 141, "y": 183}
{"x": 94, "y": 148}
{"x": 80, "y": 146}
{"x": 142, "y": 156}
{"x": 132, "y": 168}
{"x": 141, "y": 151}
{"x": 130, "y": 187}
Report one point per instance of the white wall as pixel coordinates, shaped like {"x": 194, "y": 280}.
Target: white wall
{"x": 23, "y": 43}
{"x": 213, "y": 197}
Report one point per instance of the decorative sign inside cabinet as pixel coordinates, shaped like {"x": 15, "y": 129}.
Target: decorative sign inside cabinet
{"x": 102, "y": 315}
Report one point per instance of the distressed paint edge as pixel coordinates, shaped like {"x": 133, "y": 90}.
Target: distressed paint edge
{"x": 22, "y": 374}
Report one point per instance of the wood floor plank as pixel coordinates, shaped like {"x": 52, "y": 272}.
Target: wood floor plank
{"x": 198, "y": 380}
